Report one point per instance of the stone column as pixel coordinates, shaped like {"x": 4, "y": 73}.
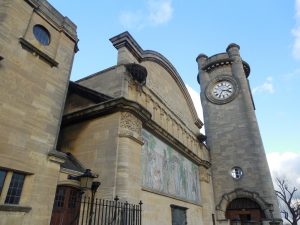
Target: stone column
{"x": 207, "y": 195}
{"x": 203, "y": 76}
{"x": 128, "y": 176}
{"x": 233, "y": 51}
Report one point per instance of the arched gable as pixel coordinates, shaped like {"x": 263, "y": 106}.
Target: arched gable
{"x": 160, "y": 70}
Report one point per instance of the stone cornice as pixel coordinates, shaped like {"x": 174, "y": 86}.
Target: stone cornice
{"x": 61, "y": 22}
{"x": 219, "y": 60}
{"x": 126, "y": 40}
{"x": 57, "y": 156}
{"x": 104, "y": 108}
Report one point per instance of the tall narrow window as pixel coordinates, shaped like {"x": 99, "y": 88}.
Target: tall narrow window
{"x": 2, "y": 179}
{"x": 73, "y": 198}
{"x": 59, "y": 197}
{"x": 15, "y": 188}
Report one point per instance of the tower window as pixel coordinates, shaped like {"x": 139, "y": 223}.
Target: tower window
{"x": 41, "y": 34}
{"x": 236, "y": 172}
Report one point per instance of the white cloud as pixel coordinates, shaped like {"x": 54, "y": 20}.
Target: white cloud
{"x": 285, "y": 165}
{"x": 296, "y": 44}
{"x": 298, "y": 8}
{"x": 296, "y": 32}
{"x": 160, "y": 11}
{"x": 266, "y": 87}
{"x": 157, "y": 12}
{"x": 292, "y": 75}
{"x": 197, "y": 103}
{"x": 131, "y": 19}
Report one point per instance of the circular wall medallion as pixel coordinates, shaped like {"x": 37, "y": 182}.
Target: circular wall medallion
{"x": 222, "y": 89}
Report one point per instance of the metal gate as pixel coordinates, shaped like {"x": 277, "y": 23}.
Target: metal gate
{"x": 105, "y": 212}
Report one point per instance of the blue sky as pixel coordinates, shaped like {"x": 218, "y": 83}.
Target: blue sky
{"x": 268, "y": 33}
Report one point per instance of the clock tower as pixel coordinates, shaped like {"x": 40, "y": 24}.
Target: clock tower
{"x": 243, "y": 188}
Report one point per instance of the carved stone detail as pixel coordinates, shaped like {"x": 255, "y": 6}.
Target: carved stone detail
{"x": 131, "y": 123}
{"x": 130, "y": 126}
{"x": 166, "y": 119}
{"x": 204, "y": 175}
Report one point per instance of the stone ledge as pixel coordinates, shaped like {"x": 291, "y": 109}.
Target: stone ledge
{"x": 14, "y": 208}
{"x": 107, "y": 107}
{"x": 172, "y": 196}
{"x": 57, "y": 156}
{"x": 35, "y": 51}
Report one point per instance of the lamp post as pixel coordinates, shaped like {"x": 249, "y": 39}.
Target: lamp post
{"x": 94, "y": 187}
{"x": 87, "y": 182}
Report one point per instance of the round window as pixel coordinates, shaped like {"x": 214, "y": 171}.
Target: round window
{"x": 236, "y": 172}
{"x": 41, "y": 34}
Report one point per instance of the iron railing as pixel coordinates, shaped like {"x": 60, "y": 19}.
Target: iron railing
{"x": 106, "y": 212}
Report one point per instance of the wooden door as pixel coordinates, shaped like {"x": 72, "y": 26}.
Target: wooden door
{"x": 244, "y": 211}
{"x": 66, "y": 206}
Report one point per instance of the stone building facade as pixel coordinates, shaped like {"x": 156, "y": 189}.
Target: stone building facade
{"x": 133, "y": 124}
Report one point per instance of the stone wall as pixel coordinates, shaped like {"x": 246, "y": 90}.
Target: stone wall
{"x": 34, "y": 81}
{"x": 233, "y": 135}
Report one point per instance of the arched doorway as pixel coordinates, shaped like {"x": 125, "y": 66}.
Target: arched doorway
{"x": 66, "y": 206}
{"x": 244, "y": 211}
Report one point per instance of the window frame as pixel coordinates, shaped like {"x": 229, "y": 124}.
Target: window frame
{"x": 7, "y": 184}
{"x": 237, "y": 173}
{"x": 3, "y": 181}
{"x": 41, "y": 34}
{"x": 14, "y": 192}
{"x": 183, "y": 210}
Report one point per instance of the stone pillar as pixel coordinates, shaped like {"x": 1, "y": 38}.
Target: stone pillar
{"x": 128, "y": 176}
{"x": 202, "y": 75}
{"x": 233, "y": 51}
{"x": 207, "y": 195}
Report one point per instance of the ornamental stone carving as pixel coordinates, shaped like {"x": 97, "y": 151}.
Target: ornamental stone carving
{"x": 130, "y": 126}
{"x": 204, "y": 175}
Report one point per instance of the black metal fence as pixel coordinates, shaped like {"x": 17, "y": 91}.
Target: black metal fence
{"x": 105, "y": 212}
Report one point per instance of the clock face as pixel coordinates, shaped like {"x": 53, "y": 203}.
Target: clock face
{"x": 222, "y": 90}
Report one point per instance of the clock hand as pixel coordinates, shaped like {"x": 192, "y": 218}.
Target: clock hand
{"x": 220, "y": 93}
